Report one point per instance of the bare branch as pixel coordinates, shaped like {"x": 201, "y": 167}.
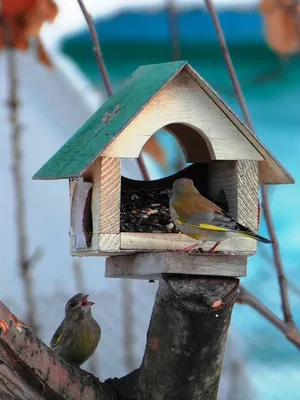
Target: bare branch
{"x": 103, "y": 70}
{"x": 231, "y": 70}
{"x": 24, "y": 260}
{"x": 245, "y": 297}
{"x": 96, "y": 48}
{"x": 277, "y": 259}
{"x": 171, "y": 7}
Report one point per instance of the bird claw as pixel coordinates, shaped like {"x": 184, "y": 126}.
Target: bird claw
{"x": 213, "y": 249}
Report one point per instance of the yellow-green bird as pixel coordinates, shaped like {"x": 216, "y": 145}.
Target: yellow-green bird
{"x": 77, "y": 337}
{"x": 201, "y": 219}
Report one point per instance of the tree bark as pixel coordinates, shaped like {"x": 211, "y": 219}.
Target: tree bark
{"x": 186, "y": 338}
{"x": 183, "y": 356}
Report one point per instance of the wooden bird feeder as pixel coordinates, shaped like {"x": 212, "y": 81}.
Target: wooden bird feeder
{"x": 228, "y": 164}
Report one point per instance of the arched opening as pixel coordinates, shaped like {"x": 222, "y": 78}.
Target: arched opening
{"x": 170, "y": 149}
{"x": 185, "y": 152}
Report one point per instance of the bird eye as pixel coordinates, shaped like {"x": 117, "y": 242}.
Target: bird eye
{"x": 72, "y": 304}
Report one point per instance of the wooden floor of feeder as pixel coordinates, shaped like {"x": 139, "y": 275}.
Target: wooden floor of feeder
{"x": 133, "y": 242}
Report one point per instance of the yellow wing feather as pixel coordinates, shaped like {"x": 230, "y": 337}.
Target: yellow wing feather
{"x": 208, "y": 227}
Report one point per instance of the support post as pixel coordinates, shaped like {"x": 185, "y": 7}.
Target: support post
{"x": 186, "y": 338}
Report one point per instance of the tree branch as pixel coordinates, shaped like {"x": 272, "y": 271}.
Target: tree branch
{"x": 26, "y": 362}
{"x": 278, "y": 262}
{"x": 266, "y": 207}
{"x": 96, "y": 48}
{"x": 25, "y": 262}
{"x": 171, "y": 8}
{"x": 103, "y": 70}
{"x": 30, "y": 370}
{"x": 183, "y": 356}
{"x": 186, "y": 338}
{"x": 245, "y": 297}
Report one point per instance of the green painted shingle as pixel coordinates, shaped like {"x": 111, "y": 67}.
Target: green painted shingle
{"x": 94, "y": 136}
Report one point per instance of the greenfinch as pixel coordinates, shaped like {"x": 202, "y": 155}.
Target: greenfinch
{"x": 77, "y": 337}
{"x": 201, "y": 219}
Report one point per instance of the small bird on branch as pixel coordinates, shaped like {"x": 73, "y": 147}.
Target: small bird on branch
{"x": 77, "y": 337}
{"x": 201, "y": 219}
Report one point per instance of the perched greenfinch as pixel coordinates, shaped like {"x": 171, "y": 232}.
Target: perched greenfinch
{"x": 201, "y": 219}
{"x": 77, "y": 337}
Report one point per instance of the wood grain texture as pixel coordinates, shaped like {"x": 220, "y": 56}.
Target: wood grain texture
{"x": 151, "y": 266}
{"x": 153, "y": 97}
{"x": 82, "y": 149}
{"x": 105, "y": 173}
{"x": 182, "y": 102}
{"x": 271, "y": 171}
{"x": 102, "y": 244}
{"x": 247, "y": 194}
{"x": 193, "y": 332}
{"x": 239, "y": 182}
{"x": 131, "y": 242}
{"x": 177, "y": 241}
{"x": 78, "y": 231}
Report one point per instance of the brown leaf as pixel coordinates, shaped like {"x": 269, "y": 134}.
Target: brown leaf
{"x": 281, "y": 25}
{"x": 17, "y": 322}
{"x": 153, "y": 148}
{"x": 23, "y": 20}
{"x": 3, "y": 326}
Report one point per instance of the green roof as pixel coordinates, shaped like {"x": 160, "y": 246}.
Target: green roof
{"x": 106, "y": 123}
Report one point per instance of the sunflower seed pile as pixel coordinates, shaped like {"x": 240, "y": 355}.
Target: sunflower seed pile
{"x": 146, "y": 210}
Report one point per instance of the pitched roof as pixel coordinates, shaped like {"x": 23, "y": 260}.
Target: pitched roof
{"x": 92, "y": 138}
{"x": 123, "y": 106}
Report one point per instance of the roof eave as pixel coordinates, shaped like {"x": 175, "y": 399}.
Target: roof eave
{"x": 279, "y": 174}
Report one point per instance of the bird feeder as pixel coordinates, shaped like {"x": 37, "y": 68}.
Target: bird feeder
{"x": 228, "y": 164}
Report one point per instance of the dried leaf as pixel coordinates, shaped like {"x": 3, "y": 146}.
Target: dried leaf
{"x": 23, "y": 20}
{"x": 18, "y": 323}
{"x": 153, "y": 148}
{"x": 3, "y": 326}
{"x": 281, "y": 17}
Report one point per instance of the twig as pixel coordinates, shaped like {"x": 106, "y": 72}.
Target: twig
{"x": 143, "y": 168}
{"x": 103, "y": 70}
{"x": 229, "y": 63}
{"x": 171, "y": 7}
{"x": 128, "y": 323}
{"x": 24, "y": 260}
{"x": 96, "y": 48}
{"x": 277, "y": 259}
{"x": 80, "y": 287}
{"x": 245, "y": 297}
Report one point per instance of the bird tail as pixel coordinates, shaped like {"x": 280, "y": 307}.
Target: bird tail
{"x": 253, "y": 235}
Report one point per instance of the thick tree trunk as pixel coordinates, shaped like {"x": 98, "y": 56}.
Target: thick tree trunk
{"x": 186, "y": 338}
{"x": 182, "y": 360}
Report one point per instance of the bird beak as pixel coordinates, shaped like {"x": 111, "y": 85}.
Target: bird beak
{"x": 85, "y": 302}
